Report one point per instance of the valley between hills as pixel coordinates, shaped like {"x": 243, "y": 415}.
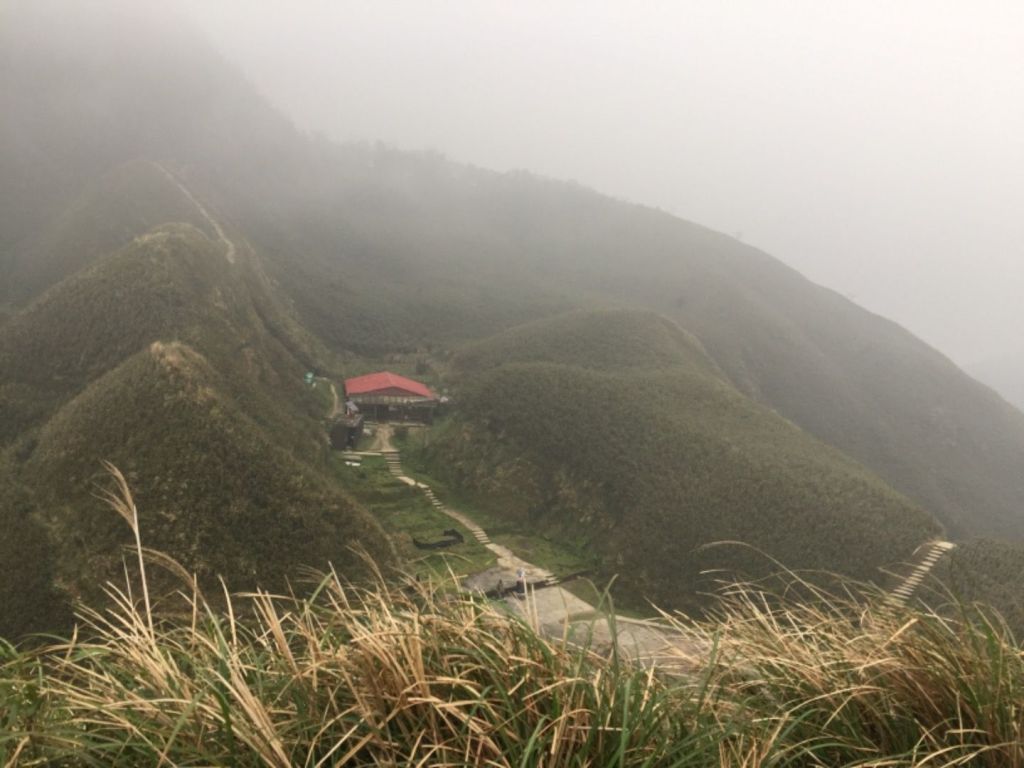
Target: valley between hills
{"x": 558, "y": 602}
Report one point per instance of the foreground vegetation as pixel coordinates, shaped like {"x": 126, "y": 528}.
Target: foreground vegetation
{"x": 408, "y": 675}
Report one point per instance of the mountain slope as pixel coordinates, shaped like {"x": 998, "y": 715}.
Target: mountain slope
{"x": 1004, "y": 374}
{"x": 646, "y": 459}
{"x": 124, "y": 204}
{"x": 173, "y": 283}
{"x": 382, "y": 251}
{"x": 184, "y": 370}
{"x": 213, "y": 490}
{"x": 86, "y": 89}
{"x": 32, "y": 602}
{"x": 412, "y": 251}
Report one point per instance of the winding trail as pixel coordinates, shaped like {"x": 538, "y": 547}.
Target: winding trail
{"x": 555, "y": 612}
{"x": 506, "y": 558}
{"x": 229, "y": 247}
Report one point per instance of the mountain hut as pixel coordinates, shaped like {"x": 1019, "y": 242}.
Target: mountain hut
{"x": 386, "y": 396}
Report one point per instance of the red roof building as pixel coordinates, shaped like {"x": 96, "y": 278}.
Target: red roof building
{"x": 387, "y": 396}
{"x": 386, "y": 384}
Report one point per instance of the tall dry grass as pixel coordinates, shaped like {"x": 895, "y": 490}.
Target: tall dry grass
{"x": 385, "y": 675}
{"x": 416, "y": 674}
{"x": 856, "y": 680}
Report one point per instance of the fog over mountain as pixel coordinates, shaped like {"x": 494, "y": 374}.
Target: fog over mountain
{"x": 876, "y": 147}
{"x": 307, "y": 399}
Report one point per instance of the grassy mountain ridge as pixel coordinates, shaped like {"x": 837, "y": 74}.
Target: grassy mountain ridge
{"x": 173, "y": 283}
{"x": 185, "y": 371}
{"x": 213, "y": 490}
{"x": 481, "y": 252}
{"x": 87, "y": 89}
{"x": 647, "y": 462}
{"x": 381, "y": 250}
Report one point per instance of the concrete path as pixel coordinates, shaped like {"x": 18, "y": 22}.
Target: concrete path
{"x": 557, "y": 613}
{"x": 506, "y": 558}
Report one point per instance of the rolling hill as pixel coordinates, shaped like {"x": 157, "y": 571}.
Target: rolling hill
{"x": 182, "y": 369}
{"x": 214, "y": 490}
{"x": 171, "y": 284}
{"x": 497, "y": 250}
{"x": 614, "y": 430}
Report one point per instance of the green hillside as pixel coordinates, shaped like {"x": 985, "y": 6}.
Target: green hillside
{"x": 382, "y": 251}
{"x": 397, "y": 252}
{"x": 986, "y": 571}
{"x": 448, "y": 255}
{"x": 173, "y": 283}
{"x": 214, "y": 490}
{"x": 32, "y": 602}
{"x": 185, "y": 371}
{"x": 645, "y": 460}
{"x": 609, "y": 340}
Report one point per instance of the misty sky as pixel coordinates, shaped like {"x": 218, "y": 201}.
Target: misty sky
{"x": 878, "y": 147}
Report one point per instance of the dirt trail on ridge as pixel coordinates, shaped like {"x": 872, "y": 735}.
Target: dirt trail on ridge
{"x": 229, "y": 246}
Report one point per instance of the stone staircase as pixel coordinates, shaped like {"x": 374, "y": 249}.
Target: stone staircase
{"x": 393, "y": 462}
{"x": 478, "y": 533}
{"x": 931, "y": 552}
